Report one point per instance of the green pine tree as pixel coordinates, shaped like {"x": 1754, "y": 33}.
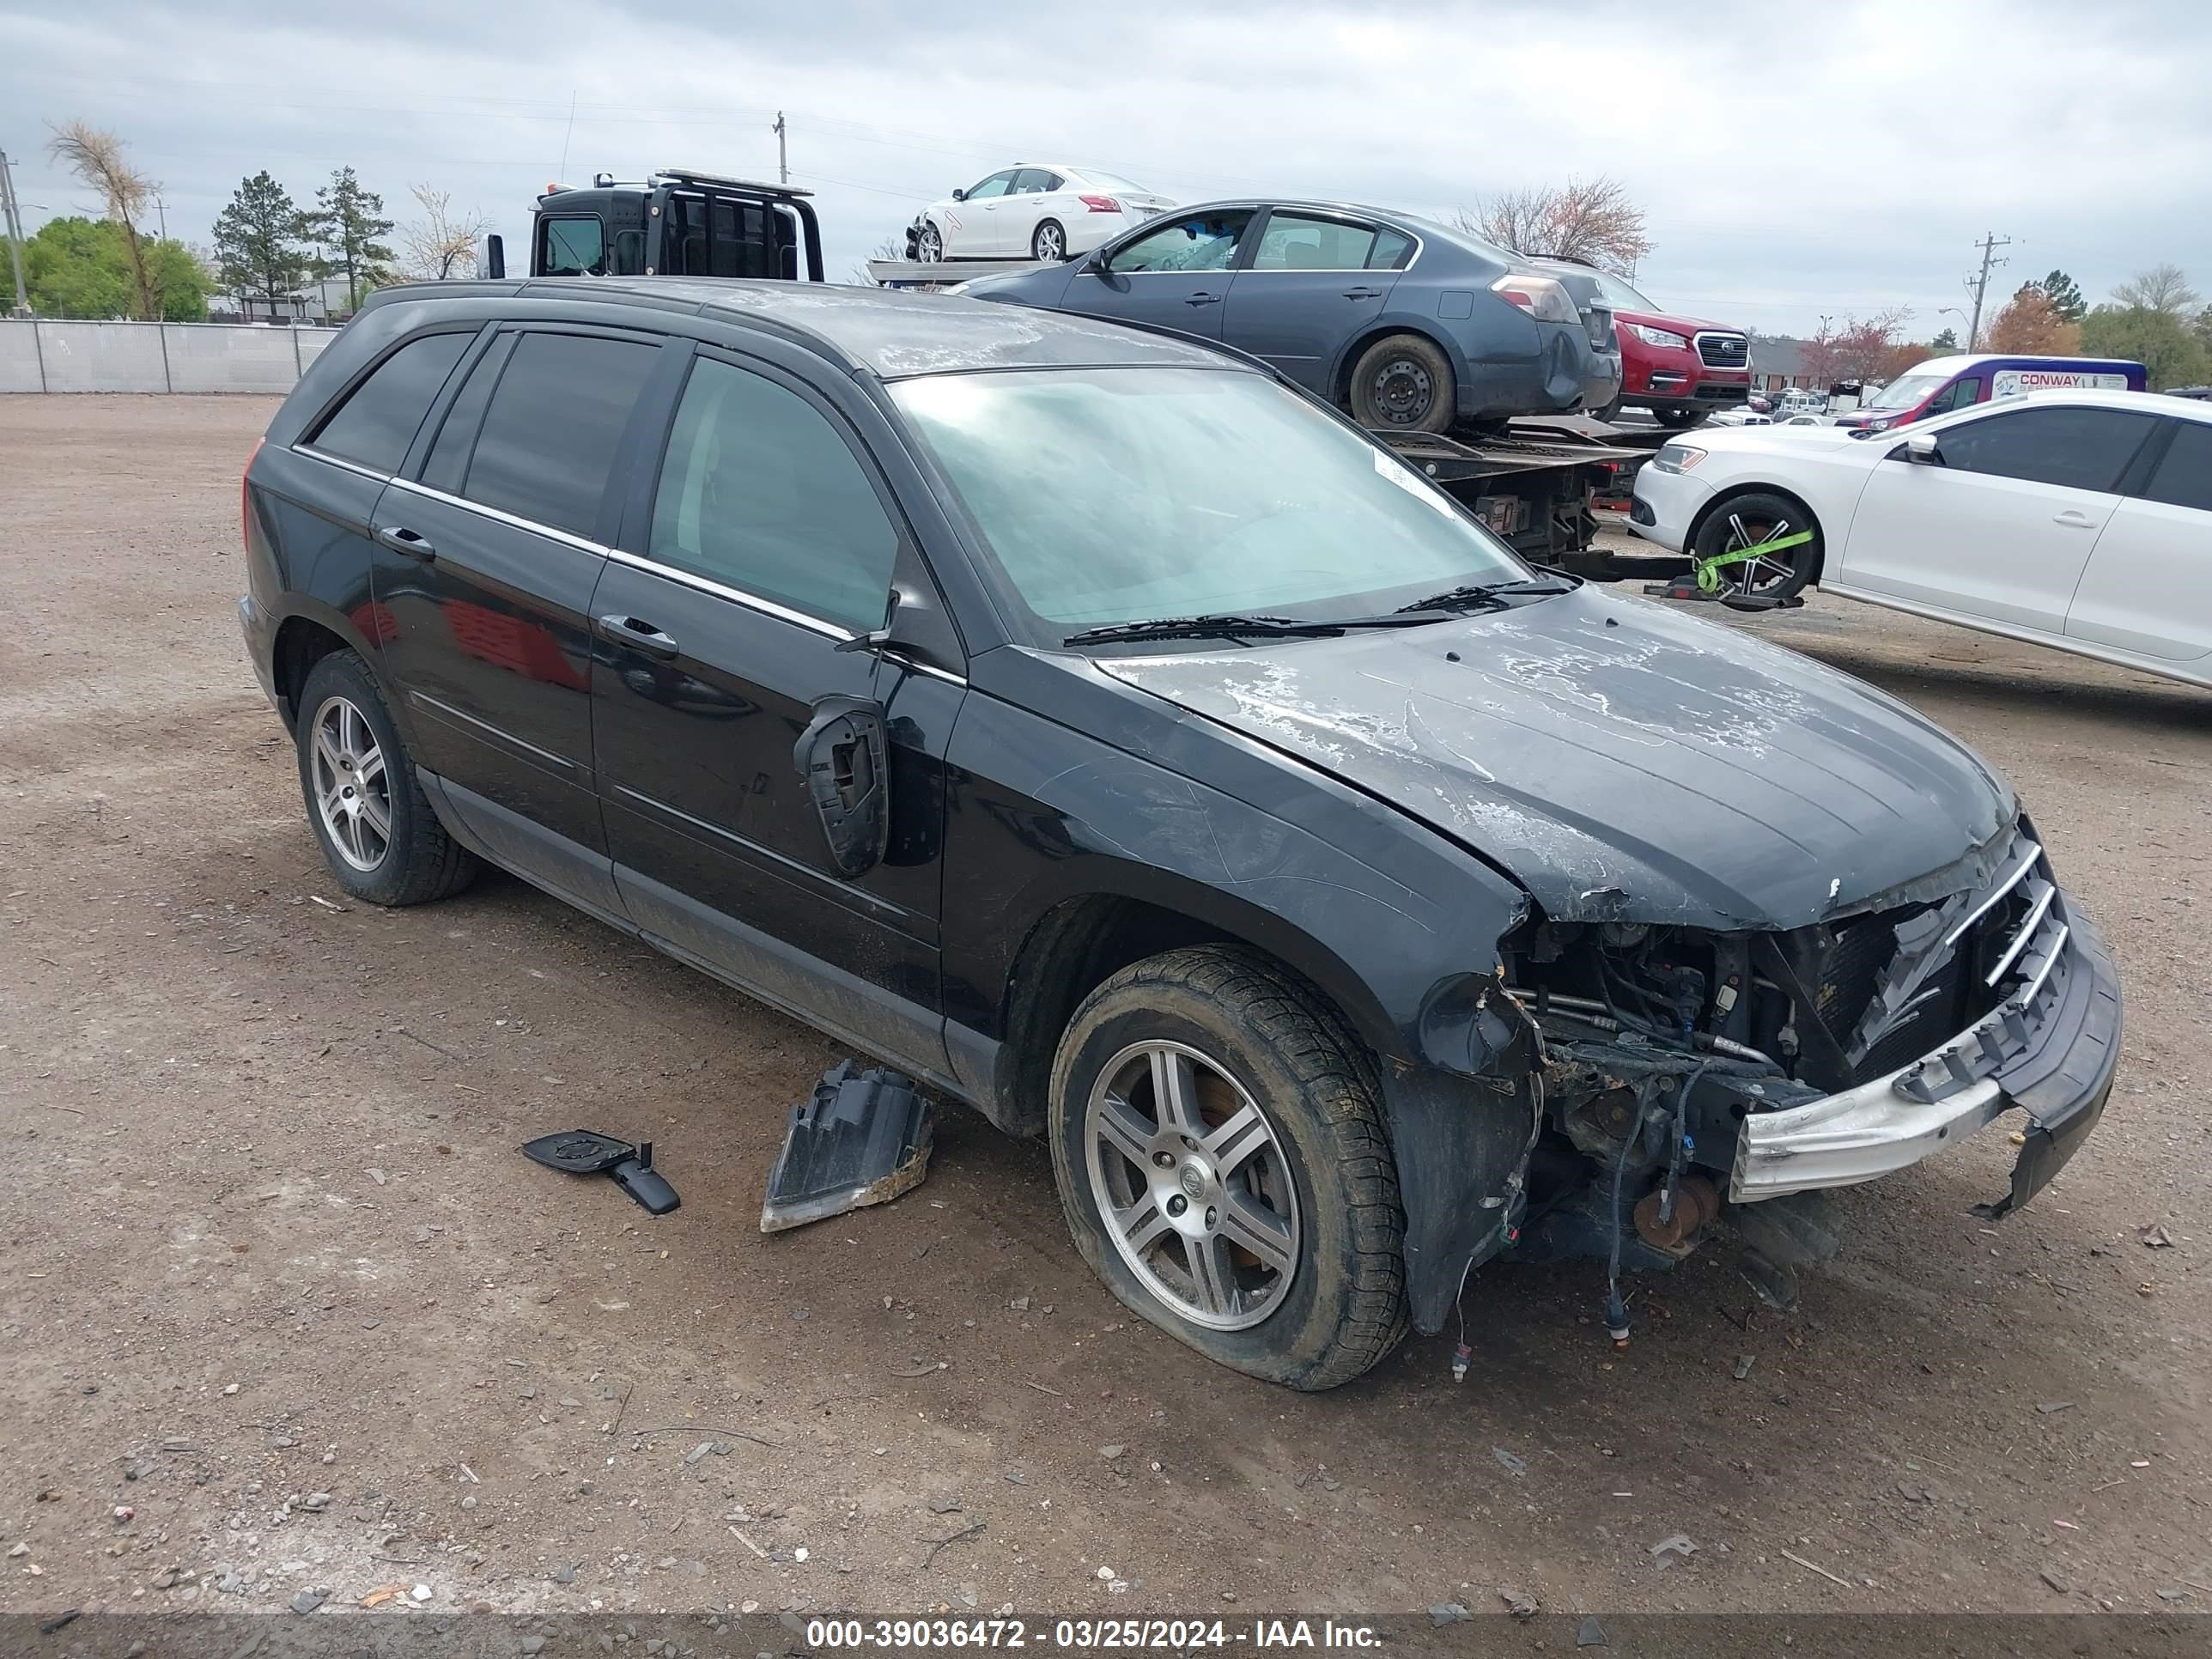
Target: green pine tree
{"x": 257, "y": 241}
{"x": 347, "y": 222}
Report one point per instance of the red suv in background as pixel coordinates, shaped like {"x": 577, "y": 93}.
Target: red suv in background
{"x": 1680, "y": 368}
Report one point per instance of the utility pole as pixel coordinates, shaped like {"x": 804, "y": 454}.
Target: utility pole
{"x": 162, "y": 208}
{"x": 1978, "y": 286}
{"x": 12, "y": 222}
{"x": 782, "y": 162}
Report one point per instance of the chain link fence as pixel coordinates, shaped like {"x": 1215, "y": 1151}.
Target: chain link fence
{"x": 63, "y": 356}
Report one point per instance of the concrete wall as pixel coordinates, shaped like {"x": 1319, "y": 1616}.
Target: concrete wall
{"x": 59, "y": 356}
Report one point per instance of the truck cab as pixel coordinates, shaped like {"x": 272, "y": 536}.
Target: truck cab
{"x": 676, "y": 222}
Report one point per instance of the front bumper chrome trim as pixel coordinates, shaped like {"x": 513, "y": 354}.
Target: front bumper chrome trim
{"x": 2049, "y": 1047}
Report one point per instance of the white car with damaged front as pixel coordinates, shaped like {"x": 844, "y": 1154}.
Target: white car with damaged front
{"x": 2077, "y": 519}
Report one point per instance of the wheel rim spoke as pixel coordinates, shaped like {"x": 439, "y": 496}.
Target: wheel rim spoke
{"x": 1246, "y": 1221}
{"x": 327, "y": 755}
{"x": 1140, "y": 1225}
{"x": 1243, "y": 1134}
{"x": 1175, "y": 1093}
{"x": 369, "y": 770}
{"x": 379, "y": 817}
{"x": 1123, "y": 1127}
{"x": 1212, "y": 1277}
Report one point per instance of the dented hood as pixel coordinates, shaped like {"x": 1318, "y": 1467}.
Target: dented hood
{"x": 1619, "y": 759}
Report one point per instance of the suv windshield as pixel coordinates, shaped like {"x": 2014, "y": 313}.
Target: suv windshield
{"x": 1124, "y": 494}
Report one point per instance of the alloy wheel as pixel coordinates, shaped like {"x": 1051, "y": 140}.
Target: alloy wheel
{"x": 1050, "y": 245}
{"x": 1192, "y": 1185}
{"x": 930, "y": 245}
{"x": 1758, "y": 574}
{"x": 353, "y": 792}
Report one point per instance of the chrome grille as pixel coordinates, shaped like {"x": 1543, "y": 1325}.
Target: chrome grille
{"x": 1719, "y": 350}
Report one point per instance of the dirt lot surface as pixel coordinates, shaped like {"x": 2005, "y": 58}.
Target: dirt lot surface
{"x": 281, "y": 1309}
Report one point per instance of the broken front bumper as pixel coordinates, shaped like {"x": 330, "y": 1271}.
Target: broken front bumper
{"x": 2048, "y": 1049}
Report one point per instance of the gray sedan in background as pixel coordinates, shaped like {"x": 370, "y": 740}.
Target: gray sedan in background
{"x": 1412, "y": 326}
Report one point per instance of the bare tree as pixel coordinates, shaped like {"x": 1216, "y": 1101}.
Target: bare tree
{"x": 1863, "y": 348}
{"x": 890, "y": 248}
{"x": 2162, "y": 287}
{"x": 96, "y": 157}
{"x": 442, "y": 243}
{"x": 1593, "y": 220}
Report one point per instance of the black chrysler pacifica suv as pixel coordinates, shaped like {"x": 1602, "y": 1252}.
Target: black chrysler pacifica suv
{"x": 1111, "y": 735}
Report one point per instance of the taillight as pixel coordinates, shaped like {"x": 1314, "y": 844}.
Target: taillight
{"x": 246, "y": 498}
{"x": 1100, "y": 203}
{"x": 1542, "y": 298}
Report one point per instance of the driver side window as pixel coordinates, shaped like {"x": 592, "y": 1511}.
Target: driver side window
{"x": 1205, "y": 241}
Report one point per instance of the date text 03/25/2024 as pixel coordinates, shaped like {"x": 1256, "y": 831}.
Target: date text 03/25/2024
{"x": 1087, "y": 1634}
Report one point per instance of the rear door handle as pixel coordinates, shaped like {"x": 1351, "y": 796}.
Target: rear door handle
{"x": 2073, "y": 519}
{"x": 638, "y": 635}
{"x": 1203, "y": 299}
{"x": 400, "y": 539}
{"x": 1363, "y": 294}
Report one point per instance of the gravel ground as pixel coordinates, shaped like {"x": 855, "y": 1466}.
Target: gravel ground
{"x": 281, "y": 1311}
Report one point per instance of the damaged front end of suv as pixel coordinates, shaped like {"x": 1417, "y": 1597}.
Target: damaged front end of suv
{"x": 1689, "y": 1073}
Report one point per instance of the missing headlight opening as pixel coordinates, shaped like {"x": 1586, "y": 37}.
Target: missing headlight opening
{"x": 1682, "y": 1066}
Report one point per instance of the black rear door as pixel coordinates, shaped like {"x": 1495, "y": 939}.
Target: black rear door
{"x": 485, "y": 566}
{"x": 768, "y": 539}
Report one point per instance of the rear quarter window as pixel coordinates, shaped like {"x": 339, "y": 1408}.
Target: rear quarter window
{"x": 2184, "y": 478}
{"x": 377, "y": 422}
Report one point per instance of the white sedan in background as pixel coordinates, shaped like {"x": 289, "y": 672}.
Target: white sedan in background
{"x": 1039, "y": 211}
{"x": 2079, "y": 520}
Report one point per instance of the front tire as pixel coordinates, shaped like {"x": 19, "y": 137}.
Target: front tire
{"x": 929, "y": 245}
{"x": 1217, "y": 1137}
{"x": 1403, "y": 383}
{"x": 1747, "y": 520}
{"x": 1048, "y": 242}
{"x": 379, "y": 835}
{"x": 1675, "y": 418}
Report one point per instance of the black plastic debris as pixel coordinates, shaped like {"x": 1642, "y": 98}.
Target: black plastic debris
{"x": 863, "y": 1138}
{"x": 580, "y": 1151}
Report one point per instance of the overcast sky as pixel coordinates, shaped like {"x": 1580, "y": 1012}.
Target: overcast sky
{"x": 1795, "y": 159}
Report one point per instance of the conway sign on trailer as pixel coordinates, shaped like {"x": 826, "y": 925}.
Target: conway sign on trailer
{"x": 678, "y": 222}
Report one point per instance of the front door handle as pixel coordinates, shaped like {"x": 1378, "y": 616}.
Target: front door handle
{"x": 638, "y": 635}
{"x": 400, "y": 539}
{"x": 2073, "y": 519}
{"x": 1363, "y": 294}
{"x": 1203, "y": 298}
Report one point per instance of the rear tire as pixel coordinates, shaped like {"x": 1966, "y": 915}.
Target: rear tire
{"x": 1760, "y": 515}
{"x": 1286, "y": 1149}
{"x": 1049, "y": 241}
{"x": 379, "y": 835}
{"x": 1403, "y": 383}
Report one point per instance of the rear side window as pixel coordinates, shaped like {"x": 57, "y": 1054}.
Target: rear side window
{"x": 374, "y": 426}
{"x": 2078, "y": 448}
{"x": 1293, "y": 243}
{"x": 2183, "y": 478}
{"x": 549, "y": 433}
{"x": 761, "y": 493}
{"x": 574, "y": 248}
{"x": 1389, "y": 251}
{"x": 1034, "y": 181}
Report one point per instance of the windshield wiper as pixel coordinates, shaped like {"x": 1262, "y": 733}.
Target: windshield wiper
{"x": 1490, "y": 593}
{"x": 1227, "y": 627}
